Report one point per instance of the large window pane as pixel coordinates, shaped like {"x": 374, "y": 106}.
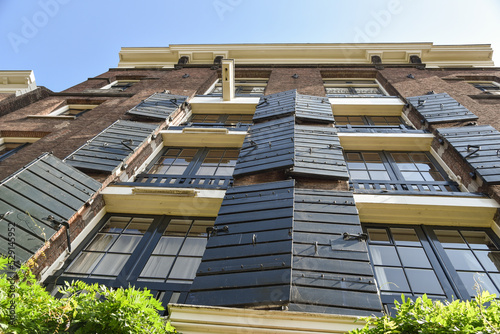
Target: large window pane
{"x": 476, "y": 282}
{"x": 85, "y": 263}
{"x": 424, "y": 281}
{"x": 158, "y": 266}
{"x": 413, "y": 257}
{"x": 384, "y": 255}
{"x": 391, "y": 279}
{"x": 111, "y": 264}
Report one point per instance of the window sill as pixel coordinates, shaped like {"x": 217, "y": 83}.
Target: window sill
{"x": 429, "y": 210}
{"x": 52, "y": 116}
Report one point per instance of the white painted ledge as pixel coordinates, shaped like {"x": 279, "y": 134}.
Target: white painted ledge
{"x": 191, "y": 319}
{"x": 429, "y": 210}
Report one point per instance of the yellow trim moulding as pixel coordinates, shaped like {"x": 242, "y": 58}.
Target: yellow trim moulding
{"x": 203, "y": 137}
{"x": 386, "y": 141}
{"x": 194, "y": 319}
{"x": 215, "y": 104}
{"x": 356, "y": 106}
{"x": 161, "y": 201}
{"x": 429, "y": 210}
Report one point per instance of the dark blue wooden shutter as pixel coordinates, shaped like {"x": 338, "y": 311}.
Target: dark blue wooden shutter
{"x": 113, "y": 146}
{"x": 440, "y": 108}
{"x": 330, "y": 274}
{"x": 275, "y": 245}
{"x": 318, "y": 153}
{"x": 158, "y": 106}
{"x": 480, "y": 146}
{"x": 302, "y": 150}
{"x": 45, "y": 187}
{"x": 267, "y": 146}
{"x": 314, "y": 108}
{"x": 249, "y": 262}
{"x": 305, "y": 107}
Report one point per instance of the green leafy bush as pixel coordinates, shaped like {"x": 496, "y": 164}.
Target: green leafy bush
{"x": 26, "y": 307}
{"x": 481, "y": 315}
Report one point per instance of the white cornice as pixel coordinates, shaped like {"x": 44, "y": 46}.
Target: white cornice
{"x": 17, "y": 82}
{"x": 340, "y": 53}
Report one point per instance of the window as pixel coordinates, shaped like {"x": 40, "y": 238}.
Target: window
{"x": 72, "y": 110}
{"x": 226, "y": 119}
{"x": 352, "y": 88}
{"x": 120, "y": 85}
{"x": 162, "y": 253}
{"x": 407, "y": 171}
{"x": 8, "y": 149}
{"x": 243, "y": 86}
{"x": 442, "y": 262}
{"x": 196, "y": 161}
{"x": 369, "y": 120}
{"x": 488, "y": 87}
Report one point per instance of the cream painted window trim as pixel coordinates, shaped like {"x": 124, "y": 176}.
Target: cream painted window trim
{"x": 108, "y": 86}
{"x": 75, "y": 243}
{"x": 330, "y": 84}
{"x": 57, "y": 113}
{"x": 194, "y": 319}
{"x": 472, "y": 82}
{"x": 163, "y": 201}
{"x": 366, "y": 106}
{"x": 428, "y": 210}
{"x": 214, "y": 104}
{"x": 203, "y": 137}
{"x": 385, "y": 141}
{"x": 452, "y": 176}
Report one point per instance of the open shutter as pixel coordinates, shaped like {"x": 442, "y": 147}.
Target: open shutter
{"x": 331, "y": 273}
{"x": 267, "y": 146}
{"x": 46, "y": 187}
{"x": 112, "y": 147}
{"x": 305, "y": 107}
{"x": 441, "y": 108}
{"x": 480, "y": 146}
{"x": 318, "y": 153}
{"x": 248, "y": 257}
{"x": 274, "y": 245}
{"x": 158, "y": 106}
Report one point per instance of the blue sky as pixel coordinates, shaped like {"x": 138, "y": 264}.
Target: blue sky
{"x": 67, "y": 41}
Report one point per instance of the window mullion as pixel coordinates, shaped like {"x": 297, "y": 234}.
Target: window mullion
{"x": 391, "y": 166}
{"x": 368, "y": 120}
{"x": 445, "y": 263}
{"x": 196, "y": 163}
{"x": 142, "y": 252}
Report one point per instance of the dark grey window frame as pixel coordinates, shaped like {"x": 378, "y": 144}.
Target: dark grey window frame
{"x": 13, "y": 151}
{"x": 238, "y": 88}
{"x": 189, "y": 178}
{"x": 398, "y": 182}
{"x": 367, "y": 120}
{"x": 446, "y": 273}
{"x": 129, "y": 274}
{"x": 221, "y": 121}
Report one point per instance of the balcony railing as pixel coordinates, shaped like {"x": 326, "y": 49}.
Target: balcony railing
{"x": 233, "y": 127}
{"x": 180, "y": 181}
{"x": 378, "y": 129}
{"x": 406, "y": 187}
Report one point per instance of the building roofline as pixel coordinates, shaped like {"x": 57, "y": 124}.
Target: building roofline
{"x": 467, "y": 55}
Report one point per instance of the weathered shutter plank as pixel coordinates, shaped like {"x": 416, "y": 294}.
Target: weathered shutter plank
{"x": 112, "y": 147}
{"x": 305, "y": 107}
{"x": 46, "y": 187}
{"x": 440, "y": 108}
{"x": 485, "y": 140}
{"x": 158, "y": 106}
